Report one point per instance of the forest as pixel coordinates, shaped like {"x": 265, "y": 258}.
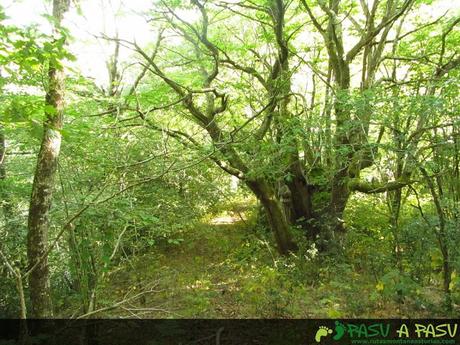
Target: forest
{"x": 229, "y": 159}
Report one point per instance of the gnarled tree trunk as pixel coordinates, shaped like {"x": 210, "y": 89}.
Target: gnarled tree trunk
{"x": 275, "y": 214}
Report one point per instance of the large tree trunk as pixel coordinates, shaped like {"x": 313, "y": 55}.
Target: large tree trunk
{"x": 301, "y": 200}
{"x": 299, "y": 210}
{"x": 339, "y": 198}
{"x": 276, "y": 217}
{"x": 43, "y": 184}
{"x": 344, "y": 146}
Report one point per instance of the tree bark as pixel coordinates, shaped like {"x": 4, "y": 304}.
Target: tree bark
{"x": 301, "y": 201}
{"x": 340, "y": 192}
{"x": 43, "y": 184}
{"x": 300, "y": 212}
{"x": 276, "y": 217}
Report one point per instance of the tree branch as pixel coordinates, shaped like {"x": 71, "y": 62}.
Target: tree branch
{"x": 376, "y": 187}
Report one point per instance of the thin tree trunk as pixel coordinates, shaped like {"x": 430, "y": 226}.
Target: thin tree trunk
{"x": 43, "y": 184}
{"x": 4, "y": 197}
{"x": 2, "y": 153}
{"x": 441, "y": 234}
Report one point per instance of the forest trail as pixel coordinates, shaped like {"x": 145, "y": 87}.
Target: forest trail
{"x": 216, "y": 271}
{"x": 194, "y": 279}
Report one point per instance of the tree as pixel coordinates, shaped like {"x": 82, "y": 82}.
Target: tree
{"x": 44, "y": 178}
{"x": 228, "y": 158}
{"x": 279, "y": 115}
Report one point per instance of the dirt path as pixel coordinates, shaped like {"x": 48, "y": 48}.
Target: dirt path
{"x": 194, "y": 278}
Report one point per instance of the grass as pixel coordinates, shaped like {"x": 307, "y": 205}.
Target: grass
{"x": 223, "y": 268}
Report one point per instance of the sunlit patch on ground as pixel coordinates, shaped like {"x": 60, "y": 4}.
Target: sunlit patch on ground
{"x": 224, "y": 220}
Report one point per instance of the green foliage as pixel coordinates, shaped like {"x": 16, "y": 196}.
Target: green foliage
{"x": 138, "y": 179}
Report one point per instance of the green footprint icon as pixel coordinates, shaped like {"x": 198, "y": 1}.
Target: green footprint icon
{"x": 339, "y": 330}
{"x": 321, "y": 332}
